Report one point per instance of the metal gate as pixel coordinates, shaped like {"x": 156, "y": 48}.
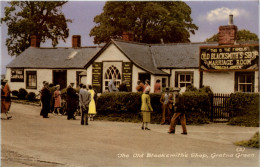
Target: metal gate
{"x": 220, "y": 107}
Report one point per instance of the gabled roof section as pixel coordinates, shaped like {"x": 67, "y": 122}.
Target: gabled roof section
{"x": 138, "y": 53}
{"x": 54, "y": 58}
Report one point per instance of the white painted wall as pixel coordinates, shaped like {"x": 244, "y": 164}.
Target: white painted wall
{"x": 42, "y": 75}
{"x": 89, "y": 75}
{"x": 136, "y": 70}
{"x": 220, "y": 82}
{"x": 112, "y": 53}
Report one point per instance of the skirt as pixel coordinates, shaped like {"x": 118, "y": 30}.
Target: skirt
{"x": 146, "y": 116}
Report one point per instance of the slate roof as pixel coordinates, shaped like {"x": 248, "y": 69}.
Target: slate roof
{"x": 178, "y": 55}
{"x": 53, "y": 58}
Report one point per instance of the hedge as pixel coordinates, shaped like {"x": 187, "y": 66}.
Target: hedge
{"x": 126, "y": 106}
{"x": 244, "y": 109}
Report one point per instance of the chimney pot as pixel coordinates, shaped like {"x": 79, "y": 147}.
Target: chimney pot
{"x": 76, "y": 41}
{"x": 230, "y": 19}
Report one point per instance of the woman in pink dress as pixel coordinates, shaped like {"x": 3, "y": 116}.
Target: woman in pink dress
{"x": 57, "y": 97}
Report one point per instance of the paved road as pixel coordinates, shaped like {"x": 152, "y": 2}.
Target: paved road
{"x": 30, "y": 140}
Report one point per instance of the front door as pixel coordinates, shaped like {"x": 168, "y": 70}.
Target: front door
{"x": 60, "y": 78}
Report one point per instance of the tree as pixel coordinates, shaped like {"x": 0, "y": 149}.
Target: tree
{"x": 148, "y": 21}
{"x": 41, "y": 18}
{"x": 242, "y": 35}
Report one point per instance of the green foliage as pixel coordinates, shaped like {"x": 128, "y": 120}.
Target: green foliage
{"x": 244, "y": 109}
{"x": 31, "y": 96}
{"x": 125, "y": 106}
{"x": 242, "y": 35}
{"x": 149, "y": 21}
{"x": 41, "y": 18}
{"x": 253, "y": 142}
{"x": 22, "y": 93}
{"x": 15, "y": 93}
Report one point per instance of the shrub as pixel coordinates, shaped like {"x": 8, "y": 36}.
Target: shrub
{"x": 253, "y": 142}
{"x": 244, "y": 109}
{"x": 31, "y": 96}
{"x": 127, "y": 105}
{"x": 22, "y": 93}
{"x": 15, "y": 93}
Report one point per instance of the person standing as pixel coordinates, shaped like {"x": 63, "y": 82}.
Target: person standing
{"x": 179, "y": 112}
{"x": 157, "y": 86}
{"x": 5, "y": 98}
{"x": 167, "y": 104}
{"x": 57, "y": 100}
{"x": 45, "y": 97}
{"x": 52, "y": 89}
{"x": 140, "y": 86}
{"x": 84, "y": 100}
{"x": 146, "y": 107}
{"x": 41, "y": 95}
{"x": 72, "y": 102}
{"x": 123, "y": 87}
{"x": 112, "y": 85}
{"x": 92, "y": 105}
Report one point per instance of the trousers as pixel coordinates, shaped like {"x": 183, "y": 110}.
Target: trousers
{"x": 84, "y": 115}
{"x": 174, "y": 122}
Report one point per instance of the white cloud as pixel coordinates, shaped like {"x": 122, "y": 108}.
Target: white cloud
{"x": 222, "y": 14}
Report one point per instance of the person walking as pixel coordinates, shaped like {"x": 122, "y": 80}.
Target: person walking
{"x": 92, "y": 105}
{"x": 57, "y": 100}
{"x": 84, "y": 100}
{"x": 157, "y": 86}
{"x": 167, "y": 105}
{"x": 179, "y": 112}
{"x": 146, "y": 107}
{"x": 5, "y": 98}
{"x": 72, "y": 102}
{"x": 45, "y": 98}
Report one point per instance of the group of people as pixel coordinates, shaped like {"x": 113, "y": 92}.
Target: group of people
{"x": 171, "y": 102}
{"x": 5, "y": 98}
{"x": 84, "y": 99}
{"x": 50, "y": 97}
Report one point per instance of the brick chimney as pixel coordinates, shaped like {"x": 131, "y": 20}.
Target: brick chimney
{"x": 76, "y": 41}
{"x": 227, "y": 34}
{"x": 128, "y": 36}
{"x": 35, "y": 42}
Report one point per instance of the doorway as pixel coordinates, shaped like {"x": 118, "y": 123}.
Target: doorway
{"x": 60, "y": 78}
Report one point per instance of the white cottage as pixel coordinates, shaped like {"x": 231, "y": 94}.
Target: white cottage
{"x": 56, "y": 65}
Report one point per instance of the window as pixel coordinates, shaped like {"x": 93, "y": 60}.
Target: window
{"x": 31, "y": 80}
{"x": 111, "y": 72}
{"x": 17, "y": 75}
{"x": 164, "y": 82}
{"x": 244, "y": 81}
{"x": 144, "y": 76}
{"x": 78, "y": 78}
{"x": 183, "y": 79}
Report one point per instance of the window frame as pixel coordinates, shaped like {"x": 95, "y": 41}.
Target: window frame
{"x": 27, "y": 79}
{"x": 238, "y": 75}
{"x": 177, "y": 78}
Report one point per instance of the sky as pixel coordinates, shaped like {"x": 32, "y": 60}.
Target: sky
{"x": 207, "y": 15}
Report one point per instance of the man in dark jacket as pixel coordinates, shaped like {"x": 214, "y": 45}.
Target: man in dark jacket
{"x": 45, "y": 98}
{"x": 179, "y": 111}
{"x": 72, "y": 102}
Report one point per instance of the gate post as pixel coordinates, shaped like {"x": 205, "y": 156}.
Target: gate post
{"x": 211, "y": 96}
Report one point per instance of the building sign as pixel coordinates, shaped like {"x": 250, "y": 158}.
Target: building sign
{"x": 127, "y": 74}
{"x": 236, "y": 58}
{"x": 97, "y": 76}
{"x": 17, "y": 75}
